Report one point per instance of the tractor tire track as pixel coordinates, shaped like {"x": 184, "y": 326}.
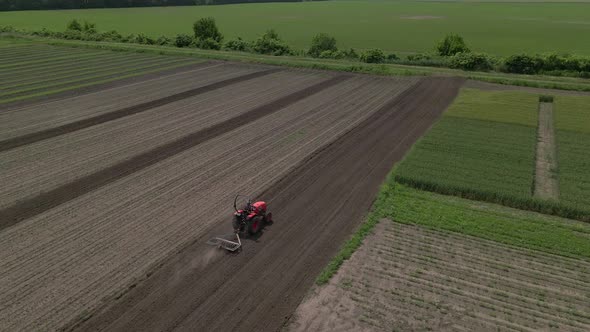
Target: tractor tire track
{"x": 52, "y": 198}
{"x": 316, "y": 207}
{"x": 114, "y": 115}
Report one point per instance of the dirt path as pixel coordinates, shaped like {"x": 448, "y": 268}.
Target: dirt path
{"x": 546, "y": 174}
{"x": 316, "y": 207}
{"x": 410, "y": 278}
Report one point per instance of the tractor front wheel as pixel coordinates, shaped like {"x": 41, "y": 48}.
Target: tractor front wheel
{"x": 255, "y": 225}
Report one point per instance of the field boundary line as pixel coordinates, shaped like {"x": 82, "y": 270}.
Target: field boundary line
{"x": 47, "y": 200}
{"x": 19, "y": 141}
{"x": 546, "y": 185}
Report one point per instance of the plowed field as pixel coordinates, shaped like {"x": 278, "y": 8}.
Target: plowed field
{"x": 108, "y": 197}
{"x": 410, "y": 278}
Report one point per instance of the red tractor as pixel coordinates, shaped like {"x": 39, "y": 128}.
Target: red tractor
{"x": 250, "y": 219}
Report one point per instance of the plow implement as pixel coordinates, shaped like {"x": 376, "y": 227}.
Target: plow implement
{"x": 224, "y": 243}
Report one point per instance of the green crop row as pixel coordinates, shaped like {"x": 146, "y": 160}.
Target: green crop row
{"x": 484, "y": 149}
{"x": 572, "y": 121}
{"x": 473, "y": 156}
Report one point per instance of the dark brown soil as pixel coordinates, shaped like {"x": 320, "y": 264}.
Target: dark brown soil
{"x": 106, "y": 117}
{"x": 52, "y": 198}
{"x": 315, "y": 207}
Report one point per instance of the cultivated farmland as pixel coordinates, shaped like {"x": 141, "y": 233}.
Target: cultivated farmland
{"x": 484, "y": 147}
{"x": 572, "y": 123}
{"x": 28, "y": 71}
{"x": 408, "y": 277}
{"x": 109, "y": 195}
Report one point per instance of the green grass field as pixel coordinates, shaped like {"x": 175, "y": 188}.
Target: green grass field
{"x": 572, "y": 122}
{"x": 483, "y": 147}
{"x": 496, "y": 28}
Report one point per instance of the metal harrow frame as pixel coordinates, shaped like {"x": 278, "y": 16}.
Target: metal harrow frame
{"x": 226, "y": 244}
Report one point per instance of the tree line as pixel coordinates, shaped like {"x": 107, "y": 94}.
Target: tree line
{"x": 7, "y": 5}
{"x": 451, "y": 51}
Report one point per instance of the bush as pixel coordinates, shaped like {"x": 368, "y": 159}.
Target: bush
{"x": 271, "y": 44}
{"x": 206, "y": 44}
{"x": 472, "y": 61}
{"x": 89, "y": 27}
{"x": 183, "y": 40}
{"x": 373, "y": 56}
{"x": 238, "y": 45}
{"x": 42, "y": 33}
{"x": 163, "y": 40}
{"x": 74, "y": 25}
{"x": 7, "y": 28}
{"x": 523, "y": 64}
{"x": 350, "y": 54}
{"x": 92, "y": 36}
{"x": 451, "y": 45}
{"x": 205, "y": 28}
{"x": 419, "y": 57}
{"x": 112, "y": 35}
{"x": 72, "y": 35}
{"x": 392, "y": 57}
{"x": 143, "y": 39}
{"x": 320, "y": 43}
{"x": 331, "y": 55}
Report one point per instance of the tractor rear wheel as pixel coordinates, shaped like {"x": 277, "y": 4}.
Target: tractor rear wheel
{"x": 255, "y": 225}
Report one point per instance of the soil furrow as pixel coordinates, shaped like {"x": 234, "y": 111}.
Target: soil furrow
{"x": 549, "y": 274}
{"x": 441, "y": 278}
{"x": 86, "y": 80}
{"x": 457, "y": 289}
{"x": 39, "y": 167}
{"x": 106, "y": 117}
{"x": 93, "y": 69}
{"x": 55, "y": 197}
{"x": 50, "y": 71}
{"x": 398, "y": 267}
{"x": 446, "y": 238}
